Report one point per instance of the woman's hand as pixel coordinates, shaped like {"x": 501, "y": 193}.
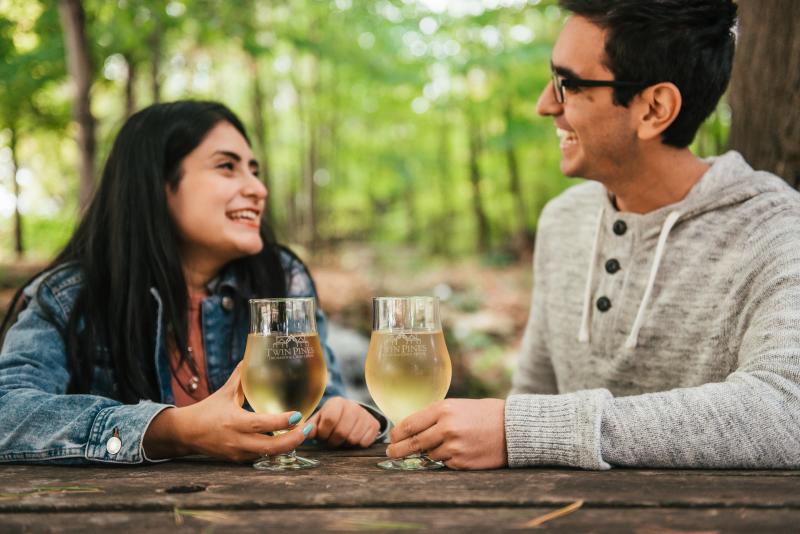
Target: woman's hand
{"x": 218, "y": 426}
{"x": 343, "y": 422}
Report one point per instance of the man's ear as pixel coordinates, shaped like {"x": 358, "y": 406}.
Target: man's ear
{"x": 657, "y": 108}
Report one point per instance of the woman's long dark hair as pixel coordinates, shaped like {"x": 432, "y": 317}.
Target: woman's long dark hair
{"x": 127, "y": 243}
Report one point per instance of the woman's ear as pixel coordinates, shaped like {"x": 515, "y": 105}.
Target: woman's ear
{"x": 658, "y": 107}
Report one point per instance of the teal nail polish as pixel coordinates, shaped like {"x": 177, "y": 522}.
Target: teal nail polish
{"x": 295, "y": 418}
{"x": 307, "y": 429}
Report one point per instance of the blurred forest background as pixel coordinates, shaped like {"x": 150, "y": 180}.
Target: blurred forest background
{"x": 398, "y": 138}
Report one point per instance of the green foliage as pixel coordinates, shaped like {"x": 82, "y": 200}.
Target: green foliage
{"x": 364, "y": 117}
{"x": 45, "y": 235}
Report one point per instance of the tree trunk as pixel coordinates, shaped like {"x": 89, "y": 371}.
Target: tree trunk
{"x": 73, "y": 20}
{"x": 765, "y": 87}
{"x": 311, "y": 190}
{"x": 523, "y": 242}
{"x": 312, "y": 155}
{"x": 130, "y": 95}
{"x": 261, "y": 134}
{"x": 440, "y": 230}
{"x": 154, "y": 41}
{"x": 413, "y": 230}
{"x": 19, "y": 247}
{"x": 307, "y": 153}
{"x": 475, "y": 148}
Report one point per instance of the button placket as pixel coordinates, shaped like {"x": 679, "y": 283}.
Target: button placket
{"x": 619, "y": 267}
{"x": 610, "y": 286}
{"x": 603, "y": 304}
{"x": 612, "y": 266}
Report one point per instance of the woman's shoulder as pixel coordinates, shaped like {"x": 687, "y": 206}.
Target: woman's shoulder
{"x": 56, "y": 288}
{"x": 298, "y": 280}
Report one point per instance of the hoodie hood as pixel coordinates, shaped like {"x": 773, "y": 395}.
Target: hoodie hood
{"x": 729, "y": 181}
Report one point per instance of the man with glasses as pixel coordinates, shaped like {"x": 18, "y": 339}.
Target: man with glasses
{"x": 665, "y": 322}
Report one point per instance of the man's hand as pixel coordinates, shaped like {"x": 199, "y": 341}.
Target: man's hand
{"x": 462, "y": 433}
{"x": 343, "y": 422}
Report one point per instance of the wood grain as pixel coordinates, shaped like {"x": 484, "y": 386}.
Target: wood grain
{"x": 662, "y": 521}
{"x": 354, "y": 481}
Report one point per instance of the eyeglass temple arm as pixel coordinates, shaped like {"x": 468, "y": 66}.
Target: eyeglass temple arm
{"x": 577, "y": 82}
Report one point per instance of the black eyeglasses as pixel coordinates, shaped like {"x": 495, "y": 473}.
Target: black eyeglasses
{"x": 560, "y": 82}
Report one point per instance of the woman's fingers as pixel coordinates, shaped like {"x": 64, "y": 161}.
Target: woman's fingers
{"x": 257, "y": 423}
{"x": 369, "y": 437}
{"x": 314, "y": 420}
{"x": 232, "y": 388}
{"x": 329, "y": 416}
{"x": 366, "y": 425}
{"x": 257, "y": 445}
{"x": 345, "y": 425}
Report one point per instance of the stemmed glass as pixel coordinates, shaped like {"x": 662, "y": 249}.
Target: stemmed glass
{"x": 408, "y": 366}
{"x": 284, "y": 367}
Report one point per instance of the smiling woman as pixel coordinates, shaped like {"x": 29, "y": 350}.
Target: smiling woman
{"x": 126, "y": 349}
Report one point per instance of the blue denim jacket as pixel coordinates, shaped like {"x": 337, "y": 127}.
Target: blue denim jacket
{"x": 40, "y": 422}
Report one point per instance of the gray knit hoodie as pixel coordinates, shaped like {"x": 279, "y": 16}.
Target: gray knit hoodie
{"x": 685, "y": 350}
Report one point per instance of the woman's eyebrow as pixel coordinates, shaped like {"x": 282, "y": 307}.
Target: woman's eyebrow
{"x": 233, "y": 155}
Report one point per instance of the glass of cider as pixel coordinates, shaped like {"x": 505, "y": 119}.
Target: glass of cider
{"x": 408, "y": 366}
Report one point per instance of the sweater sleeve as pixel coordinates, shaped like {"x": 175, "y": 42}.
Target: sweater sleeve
{"x": 752, "y": 418}
{"x": 534, "y": 373}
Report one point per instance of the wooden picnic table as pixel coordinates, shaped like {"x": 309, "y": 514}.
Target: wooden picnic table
{"x": 348, "y": 493}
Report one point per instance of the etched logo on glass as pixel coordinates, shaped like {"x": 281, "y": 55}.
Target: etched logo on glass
{"x": 291, "y": 347}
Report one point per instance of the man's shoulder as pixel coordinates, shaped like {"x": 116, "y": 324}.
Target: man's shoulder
{"x": 772, "y": 206}
{"x": 579, "y": 200}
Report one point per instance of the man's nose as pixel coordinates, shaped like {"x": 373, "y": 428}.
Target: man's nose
{"x": 547, "y": 105}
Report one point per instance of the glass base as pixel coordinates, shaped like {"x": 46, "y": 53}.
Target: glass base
{"x": 284, "y": 462}
{"x": 415, "y": 462}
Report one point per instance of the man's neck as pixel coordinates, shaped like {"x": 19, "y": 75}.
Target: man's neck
{"x": 661, "y": 177}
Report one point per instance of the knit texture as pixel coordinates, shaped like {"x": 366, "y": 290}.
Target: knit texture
{"x": 710, "y": 375}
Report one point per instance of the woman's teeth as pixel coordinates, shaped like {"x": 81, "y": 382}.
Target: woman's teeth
{"x": 247, "y": 215}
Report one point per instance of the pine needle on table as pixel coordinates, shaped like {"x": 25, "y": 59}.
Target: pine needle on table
{"x": 561, "y": 512}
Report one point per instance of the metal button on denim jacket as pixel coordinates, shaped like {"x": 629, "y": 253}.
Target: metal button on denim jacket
{"x": 40, "y": 422}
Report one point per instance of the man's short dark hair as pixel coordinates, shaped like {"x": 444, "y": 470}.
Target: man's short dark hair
{"x": 687, "y": 42}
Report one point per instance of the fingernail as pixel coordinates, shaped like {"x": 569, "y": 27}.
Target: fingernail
{"x": 307, "y": 429}
{"x": 295, "y": 418}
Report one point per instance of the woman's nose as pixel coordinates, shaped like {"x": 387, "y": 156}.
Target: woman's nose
{"x": 255, "y": 188}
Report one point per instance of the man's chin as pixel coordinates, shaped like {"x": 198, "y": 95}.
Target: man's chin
{"x": 569, "y": 169}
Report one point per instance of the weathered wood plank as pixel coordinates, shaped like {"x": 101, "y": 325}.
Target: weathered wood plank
{"x": 409, "y": 519}
{"x": 356, "y": 482}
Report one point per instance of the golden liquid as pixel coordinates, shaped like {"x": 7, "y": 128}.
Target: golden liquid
{"x": 406, "y": 372}
{"x": 284, "y": 373}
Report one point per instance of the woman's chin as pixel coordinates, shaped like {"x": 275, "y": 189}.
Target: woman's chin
{"x": 252, "y": 248}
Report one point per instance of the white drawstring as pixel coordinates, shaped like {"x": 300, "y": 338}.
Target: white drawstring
{"x": 583, "y": 334}
{"x": 633, "y": 338}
